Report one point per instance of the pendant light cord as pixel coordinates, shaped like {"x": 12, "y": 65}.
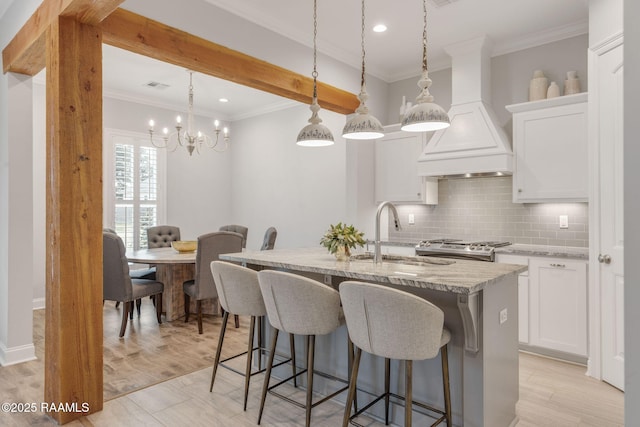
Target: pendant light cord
{"x": 424, "y": 37}
{"x": 362, "y": 82}
{"x": 315, "y": 34}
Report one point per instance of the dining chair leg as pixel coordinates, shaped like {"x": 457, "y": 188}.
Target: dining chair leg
{"x": 387, "y": 384}
{"x": 187, "y": 303}
{"x": 353, "y": 380}
{"x": 311, "y": 345}
{"x": 408, "y": 392}
{"x": 130, "y": 305}
{"x": 292, "y": 349}
{"x": 236, "y": 320}
{"x": 216, "y": 361}
{"x": 158, "y": 303}
{"x": 117, "y": 303}
{"x": 267, "y": 374}
{"x": 445, "y": 382}
{"x": 125, "y": 315}
{"x": 247, "y": 370}
{"x": 138, "y": 304}
{"x": 199, "y": 313}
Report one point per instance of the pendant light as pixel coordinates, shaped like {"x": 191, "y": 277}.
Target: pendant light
{"x": 363, "y": 125}
{"x": 425, "y": 115}
{"x": 315, "y": 134}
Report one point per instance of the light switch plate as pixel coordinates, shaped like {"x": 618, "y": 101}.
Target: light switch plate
{"x": 503, "y": 315}
{"x": 412, "y": 219}
{"x": 564, "y": 221}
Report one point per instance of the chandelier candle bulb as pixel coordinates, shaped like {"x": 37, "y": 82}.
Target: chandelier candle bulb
{"x": 178, "y": 119}
{"x": 151, "y": 124}
{"x": 216, "y": 124}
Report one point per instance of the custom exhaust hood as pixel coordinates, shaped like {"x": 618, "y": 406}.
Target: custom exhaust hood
{"x": 475, "y": 144}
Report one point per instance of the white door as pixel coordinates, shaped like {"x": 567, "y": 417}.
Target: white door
{"x": 611, "y": 239}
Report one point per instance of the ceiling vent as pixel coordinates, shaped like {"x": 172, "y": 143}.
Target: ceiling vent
{"x": 475, "y": 144}
{"x": 157, "y": 85}
{"x": 440, "y": 3}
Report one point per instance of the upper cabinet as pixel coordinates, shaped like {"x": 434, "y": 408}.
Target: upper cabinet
{"x": 550, "y": 150}
{"x": 396, "y": 164}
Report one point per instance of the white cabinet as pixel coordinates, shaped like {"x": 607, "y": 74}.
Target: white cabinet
{"x": 552, "y": 305}
{"x": 550, "y": 150}
{"x": 558, "y": 304}
{"x": 396, "y": 168}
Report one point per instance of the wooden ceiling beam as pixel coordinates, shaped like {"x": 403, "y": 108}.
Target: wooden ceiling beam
{"x": 135, "y": 33}
{"x": 26, "y": 54}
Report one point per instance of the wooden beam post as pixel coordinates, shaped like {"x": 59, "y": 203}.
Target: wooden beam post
{"x": 73, "y": 333}
{"x": 127, "y": 30}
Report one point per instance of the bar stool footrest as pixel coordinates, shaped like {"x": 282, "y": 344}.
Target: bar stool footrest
{"x": 402, "y": 398}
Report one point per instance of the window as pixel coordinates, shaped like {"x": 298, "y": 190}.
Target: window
{"x": 134, "y": 186}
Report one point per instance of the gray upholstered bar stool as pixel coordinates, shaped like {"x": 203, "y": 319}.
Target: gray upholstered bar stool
{"x": 239, "y": 292}
{"x": 394, "y": 324}
{"x": 301, "y": 306}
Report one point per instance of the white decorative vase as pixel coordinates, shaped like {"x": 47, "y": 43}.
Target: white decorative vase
{"x": 538, "y": 86}
{"x": 572, "y": 84}
{"x": 553, "y": 91}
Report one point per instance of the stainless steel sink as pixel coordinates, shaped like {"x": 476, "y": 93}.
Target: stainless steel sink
{"x": 399, "y": 259}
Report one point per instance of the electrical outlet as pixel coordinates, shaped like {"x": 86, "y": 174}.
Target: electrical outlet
{"x": 564, "y": 221}
{"x": 503, "y": 315}
{"x": 412, "y": 219}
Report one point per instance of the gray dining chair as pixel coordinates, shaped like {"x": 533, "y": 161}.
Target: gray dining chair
{"x": 237, "y": 229}
{"x": 203, "y": 287}
{"x": 119, "y": 286}
{"x": 159, "y": 236}
{"x": 269, "y": 240}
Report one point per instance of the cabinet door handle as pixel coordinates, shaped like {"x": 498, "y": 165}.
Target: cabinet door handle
{"x": 557, "y": 265}
{"x": 605, "y": 259}
{"x": 519, "y": 190}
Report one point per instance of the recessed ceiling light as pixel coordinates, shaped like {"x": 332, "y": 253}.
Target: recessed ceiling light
{"x": 380, "y": 28}
{"x": 223, "y": 100}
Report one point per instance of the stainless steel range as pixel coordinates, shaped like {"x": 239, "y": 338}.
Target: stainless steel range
{"x": 453, "y": 248}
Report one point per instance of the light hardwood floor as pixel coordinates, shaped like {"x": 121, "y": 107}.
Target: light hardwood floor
{"x": 171, "y": 388}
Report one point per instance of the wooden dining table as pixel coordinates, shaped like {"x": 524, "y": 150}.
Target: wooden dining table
{"x": 173, "y": 268}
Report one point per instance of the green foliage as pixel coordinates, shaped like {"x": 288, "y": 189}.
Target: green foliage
{"x": 342, "y": 236}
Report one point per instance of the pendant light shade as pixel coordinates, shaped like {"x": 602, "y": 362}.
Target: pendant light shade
{"x": 315, "y": 134}
{"x": 425, "y": 115}
{"x": 363, "y": 125}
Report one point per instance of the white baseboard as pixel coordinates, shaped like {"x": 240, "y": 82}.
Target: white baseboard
{"x": 38, "y": 303}
{"x": 14, "y": 355}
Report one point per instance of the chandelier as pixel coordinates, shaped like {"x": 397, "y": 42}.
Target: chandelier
{"x": 190, "y": 138}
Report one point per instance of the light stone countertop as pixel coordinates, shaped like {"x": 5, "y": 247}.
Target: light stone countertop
{"x": 541, "y": 250}
{"x": 447, "y": 275}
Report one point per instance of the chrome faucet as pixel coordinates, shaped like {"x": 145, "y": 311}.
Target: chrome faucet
{"x": 377, "y": 255}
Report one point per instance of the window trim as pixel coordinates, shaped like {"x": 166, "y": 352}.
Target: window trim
{"x": 108, "y": 174}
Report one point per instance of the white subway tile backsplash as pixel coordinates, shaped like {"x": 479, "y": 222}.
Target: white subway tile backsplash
{"x": 481, "y": 208}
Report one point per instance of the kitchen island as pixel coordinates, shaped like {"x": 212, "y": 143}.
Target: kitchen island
{"x": 480, "y": 303}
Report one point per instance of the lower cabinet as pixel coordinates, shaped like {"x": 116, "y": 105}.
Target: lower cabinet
{"x": 558, "y": 305}
{"x": 552, "y": 306}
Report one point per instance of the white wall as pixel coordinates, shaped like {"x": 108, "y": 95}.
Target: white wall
{"x": 298, "y": 190}
{"x": 16, "y": 292}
